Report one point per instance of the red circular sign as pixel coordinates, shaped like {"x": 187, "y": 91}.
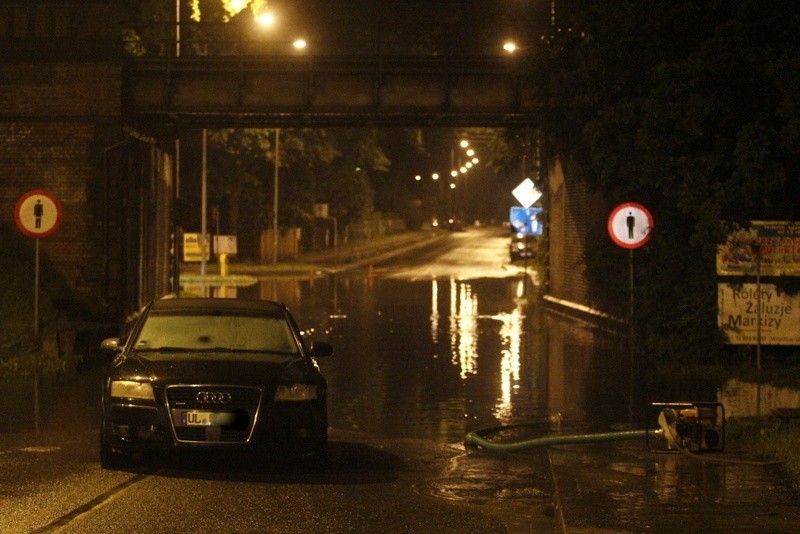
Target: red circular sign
{"x": 630, "y": 225}
{"x": 38, "y": 213}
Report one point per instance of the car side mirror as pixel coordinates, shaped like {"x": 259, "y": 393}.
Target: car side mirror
{"x": 320, "y": 349}
{"x": 111, "y": 343}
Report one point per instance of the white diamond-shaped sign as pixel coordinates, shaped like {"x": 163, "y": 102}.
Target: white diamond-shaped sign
{"x": 526, "y": 193}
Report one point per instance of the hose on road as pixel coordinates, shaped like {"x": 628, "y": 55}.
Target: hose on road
{"x": 478, "y": 438}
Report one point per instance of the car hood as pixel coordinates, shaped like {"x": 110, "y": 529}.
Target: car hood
{"x": 215, "y": 368}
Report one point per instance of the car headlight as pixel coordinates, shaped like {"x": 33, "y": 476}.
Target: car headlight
{"x": 129, "y": 389}
{"x": 296, "y": 392}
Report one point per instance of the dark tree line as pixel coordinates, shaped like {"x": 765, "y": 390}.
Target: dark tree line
{"x": 691, "y": 108}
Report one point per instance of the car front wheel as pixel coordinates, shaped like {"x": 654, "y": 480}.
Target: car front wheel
{"x": 109, "y": 459}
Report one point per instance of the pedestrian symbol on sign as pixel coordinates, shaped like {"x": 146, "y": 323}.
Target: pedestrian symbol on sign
{"x": 38, "y": 214}
{"x": 630, "y": 225}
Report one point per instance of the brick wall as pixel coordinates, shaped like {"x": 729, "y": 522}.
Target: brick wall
{"x": 57, "y": 122}
{"x": 573, "y": 210}
{"x": 54, "y": 119}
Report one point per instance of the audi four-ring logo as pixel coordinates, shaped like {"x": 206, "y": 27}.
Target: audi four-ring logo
{"x": 213, "y": 397}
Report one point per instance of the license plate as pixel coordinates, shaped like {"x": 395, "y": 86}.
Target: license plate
{"x": 191, "y": 418}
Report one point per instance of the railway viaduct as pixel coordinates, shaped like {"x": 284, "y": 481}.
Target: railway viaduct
{"x": 97, "y": 127}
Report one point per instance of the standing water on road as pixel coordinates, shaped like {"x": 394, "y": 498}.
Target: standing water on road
{"x": 445, "y": 342}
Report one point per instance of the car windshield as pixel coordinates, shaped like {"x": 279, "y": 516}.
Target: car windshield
{"x": 210, "y": 332}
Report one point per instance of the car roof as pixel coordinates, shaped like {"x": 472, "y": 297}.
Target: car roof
{"x": 222, "y": 305}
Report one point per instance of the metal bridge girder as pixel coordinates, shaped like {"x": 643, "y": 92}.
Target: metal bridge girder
{"x": 329, "y": 91}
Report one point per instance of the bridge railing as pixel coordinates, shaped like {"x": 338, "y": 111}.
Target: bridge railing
{"x": 236, "y": 38}
{"x": 104, "y": 29}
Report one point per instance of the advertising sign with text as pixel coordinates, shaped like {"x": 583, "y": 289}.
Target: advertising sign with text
{"x": 740, "y": 310}
{"x": 776, "y": 242}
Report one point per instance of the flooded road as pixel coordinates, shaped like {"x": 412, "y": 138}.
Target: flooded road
{"x": 426, "y": 349}
{"x": 447, "y": 340}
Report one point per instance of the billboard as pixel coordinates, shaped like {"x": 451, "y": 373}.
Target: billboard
{"x": 741, "y": 308}
{"x": 776, "y": 242}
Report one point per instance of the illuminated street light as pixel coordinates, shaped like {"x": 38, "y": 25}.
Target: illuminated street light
{"x": 265, "y": 18}
{"x": 418, "y": 177}
{"x": 464, "y": 143}
{"x": 475, "y": 161}
{"x": 299, "y": 44}
{"x": 435, "y": 176}
{"x": 454, "y": 173}
{"x": 470, "y": 152}
{"x": 452, "y": 186}
{"x": 510, "y": 46}
{"x": 468, "y": 165}
{"x": 463, "y": 170}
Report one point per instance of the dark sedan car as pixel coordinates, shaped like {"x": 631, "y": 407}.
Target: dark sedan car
{"x": 214, "y": 374}
{"x": 521, "y": 247}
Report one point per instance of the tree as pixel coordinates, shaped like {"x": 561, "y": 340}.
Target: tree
{"x": 340, "y": 167}
{"x": 702, "y": 130}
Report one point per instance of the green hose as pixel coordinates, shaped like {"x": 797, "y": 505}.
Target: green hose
{"x": 478, "y": 438}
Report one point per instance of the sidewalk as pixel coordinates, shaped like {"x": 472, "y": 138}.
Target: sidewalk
{"x": 349, "y": 256}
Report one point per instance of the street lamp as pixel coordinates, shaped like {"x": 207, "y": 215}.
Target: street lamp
{"x": 509, "y": 46}
{"x": 275, "y": 198}
{"x": 265, "y": 18}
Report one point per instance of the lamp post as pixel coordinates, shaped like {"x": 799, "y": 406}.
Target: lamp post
{"x": 203, "y": 206}
{"x": 276, "y": 181}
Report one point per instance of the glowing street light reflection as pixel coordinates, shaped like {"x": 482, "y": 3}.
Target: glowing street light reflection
{"x": 511, "y": 331}
{"x": 463, "y": 336}
{"x": 435, "y": 315}
{"x": 463, "y": 328}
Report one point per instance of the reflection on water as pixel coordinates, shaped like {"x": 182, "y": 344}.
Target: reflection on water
{"x": 436, "y": 358}
{"x": 426, "y": 358}
{"x": 463, "y": 327}
{"x": 587, "y": 372}
{"x": 511, "y": 333}
{"x": 747, "y": 399}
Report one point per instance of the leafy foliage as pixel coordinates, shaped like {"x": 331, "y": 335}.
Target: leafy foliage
{"x": 21, "y": 353}
{"x": 340, "y": 167}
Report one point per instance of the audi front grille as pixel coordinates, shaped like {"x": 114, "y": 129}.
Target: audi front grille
{"x": 239, "y": 404}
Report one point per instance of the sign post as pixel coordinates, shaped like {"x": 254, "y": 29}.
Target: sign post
{"x": 524, "y": 220}
{"x": 630, "y": 226}
{"x": 37, "y": 214}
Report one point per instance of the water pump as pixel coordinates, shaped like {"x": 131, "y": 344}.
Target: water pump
{"x": 695, "y": 427}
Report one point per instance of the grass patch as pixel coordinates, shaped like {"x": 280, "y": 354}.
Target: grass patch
{"x": 767, "y": 440}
